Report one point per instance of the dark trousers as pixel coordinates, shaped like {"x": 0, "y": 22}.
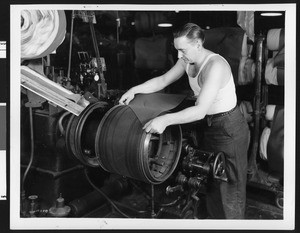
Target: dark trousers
{"x": 229, "y": 134}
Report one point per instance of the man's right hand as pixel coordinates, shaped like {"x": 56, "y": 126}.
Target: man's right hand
{"x": 126, "y": 98}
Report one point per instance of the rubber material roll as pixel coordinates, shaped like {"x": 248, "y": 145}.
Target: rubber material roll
{"x": 42, "y": 31}
{"x": 124, "y": 148}
{"x": 279, "y": 58}
{"x": 246, "y": 71}
{"x": 275, "y": 39}
{"x": 264, "y": 138}
{"x": 273, "y": 74}
{"x": 246, "y": 109}
{"x": 244, "y": 51}
{"x": 275, "y": 146}
{"x": 280, "y": 76}
{"x": 270, "y": 110}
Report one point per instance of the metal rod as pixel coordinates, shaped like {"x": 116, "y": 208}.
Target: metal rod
{"x": 252, "y": 168}
{"x": 152, "y": 202}
{"x": 55, "y": 174}
{"x": 70, "y": 48}
{"x": 29, "y": 166}
{"x": 118, "y": 25}
{"x": 98, "y": 60}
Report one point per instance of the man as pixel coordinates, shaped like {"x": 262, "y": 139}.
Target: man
{"x": 212, "y": 82}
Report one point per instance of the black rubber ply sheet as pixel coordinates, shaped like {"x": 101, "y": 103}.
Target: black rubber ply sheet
{"x": 149, "y": 106}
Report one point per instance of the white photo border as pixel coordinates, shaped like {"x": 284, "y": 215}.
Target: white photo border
{"x": 288, "y": 221}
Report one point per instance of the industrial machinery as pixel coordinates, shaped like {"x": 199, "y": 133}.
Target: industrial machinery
{"x": 83, "y": 155}
{"x": 108, "y": 146}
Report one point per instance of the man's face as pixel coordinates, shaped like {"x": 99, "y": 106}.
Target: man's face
{"x": 187, "y": 49}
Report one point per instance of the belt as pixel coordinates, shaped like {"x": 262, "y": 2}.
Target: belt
{"x": 210, "y": 117}
{"x": 221, "y": 113}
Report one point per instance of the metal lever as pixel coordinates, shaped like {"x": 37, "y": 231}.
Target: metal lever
{"x": 170, "y": 189}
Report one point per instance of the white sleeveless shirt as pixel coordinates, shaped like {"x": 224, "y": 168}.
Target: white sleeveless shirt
{"x": 226, "y": 98}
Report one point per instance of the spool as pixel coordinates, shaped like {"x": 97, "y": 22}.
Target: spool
{"x": 124, "y": 148}
{"x": 42, "y": 31}
{"x": 81, "y": 132}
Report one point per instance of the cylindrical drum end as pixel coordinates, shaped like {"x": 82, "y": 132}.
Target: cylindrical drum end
{"x": 123, "y": 147}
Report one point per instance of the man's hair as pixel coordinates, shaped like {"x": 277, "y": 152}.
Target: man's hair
{"x": 191, "y": 31}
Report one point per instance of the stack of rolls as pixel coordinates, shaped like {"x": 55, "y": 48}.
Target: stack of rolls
{"x": 274, "y": 71}
{"x": 264, "y": 138}
{"x": 42, "y": 31}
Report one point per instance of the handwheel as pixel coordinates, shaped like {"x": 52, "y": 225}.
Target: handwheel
{"x": 279, "y": 200}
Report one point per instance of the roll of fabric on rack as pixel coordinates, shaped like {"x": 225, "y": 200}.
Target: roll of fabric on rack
{"x": 275, "y": 39}
{"x": 42, "y": 31}
{"x": 246, "y": 109}
{"x": 279, "y": 58}
{"x": 246, "y": 71}
{"x": 274, "y": 74}
{"x": 271, "y": 139}
{"x": 274, "y": 70}
{"x": 275, "y": 146}
{"x": 270, "y": 110}
{"x": 264, "y": 138}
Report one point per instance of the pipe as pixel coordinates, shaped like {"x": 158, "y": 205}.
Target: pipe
{"x": 32, "y": 148}
{"x": 152, "y": 202}
{"x": 57, "y": 174}
{"x": 23, "y": 194}
{"x": 87, "y": 203}
{"x": 99, "y": 64}
{"x": 252, "y": 167}
{"x": 118, "y": 26}
{"x": 60, "y": 124}
{"x": 115, "y": 188}
{"x": 70, "y": 48}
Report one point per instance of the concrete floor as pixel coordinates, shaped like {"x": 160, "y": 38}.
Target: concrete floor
{"x": 260, "y": 204}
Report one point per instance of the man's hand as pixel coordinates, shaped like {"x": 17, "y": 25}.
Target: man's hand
{"x": 156, "y": 125}
{"x": 126, "y": 97}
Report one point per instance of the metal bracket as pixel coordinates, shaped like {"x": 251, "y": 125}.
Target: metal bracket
{"x": 52, "y": 91}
